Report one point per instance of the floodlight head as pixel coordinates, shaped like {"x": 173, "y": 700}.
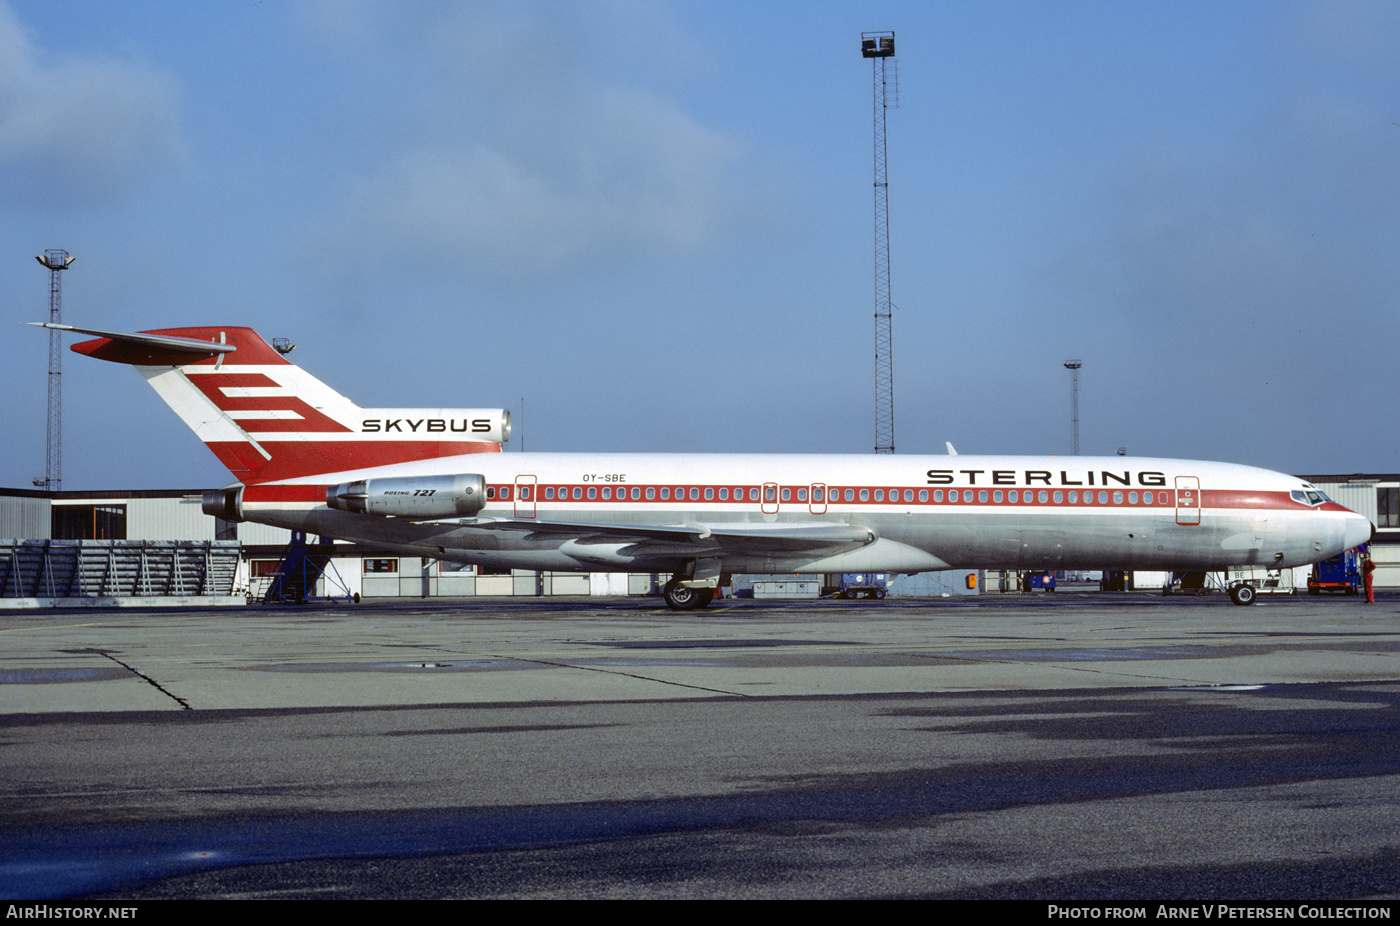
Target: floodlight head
{"x": 877, "y": 44}
{"x": 55, "y": 259}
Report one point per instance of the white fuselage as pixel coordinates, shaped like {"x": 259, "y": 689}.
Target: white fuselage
{"x": 921, "y": 513}
{"x": 433, "y": 482}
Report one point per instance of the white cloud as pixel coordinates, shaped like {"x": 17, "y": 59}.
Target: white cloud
{"x": 494, "y": 209}
{"x": 532, "y": 165}
{"x": 79, "y": 131}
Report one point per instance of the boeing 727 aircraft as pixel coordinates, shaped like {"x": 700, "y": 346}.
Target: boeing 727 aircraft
{"x": 432, "y": 482}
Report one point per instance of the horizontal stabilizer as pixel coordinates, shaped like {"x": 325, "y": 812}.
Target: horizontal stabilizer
{"x": 141, "y": 347}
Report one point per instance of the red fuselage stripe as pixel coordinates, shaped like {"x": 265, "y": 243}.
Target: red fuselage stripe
{"x": 835, "y": 497}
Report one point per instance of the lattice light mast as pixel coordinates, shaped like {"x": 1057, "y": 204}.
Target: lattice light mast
{"x": 1073, "y": 367}
{"x": 57, "y": 261}
{"x": 879, "y": 47}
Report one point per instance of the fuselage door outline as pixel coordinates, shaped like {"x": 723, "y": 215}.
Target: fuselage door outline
{"x": 525, "y": 496}
{"x": 1188, "y": 500}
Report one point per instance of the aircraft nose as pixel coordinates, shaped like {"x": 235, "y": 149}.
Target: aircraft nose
{"x": 1359, "y": 530}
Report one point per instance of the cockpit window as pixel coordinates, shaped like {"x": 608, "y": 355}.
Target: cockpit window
{"x": 1315, "y": 496}
{"x": 1308, "y": 496}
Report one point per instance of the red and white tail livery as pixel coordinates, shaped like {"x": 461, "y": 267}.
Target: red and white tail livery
{"x": 427, "y": 482}
{"x": 267, "y": 419}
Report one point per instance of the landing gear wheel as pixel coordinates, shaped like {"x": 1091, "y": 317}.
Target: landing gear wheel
{"x": 1242, "y": 594}
{"x": 680, "y": 598}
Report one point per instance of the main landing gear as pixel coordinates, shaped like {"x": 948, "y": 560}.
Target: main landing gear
{"x": 683, "y": 598}
{"x": 693, "y": 587}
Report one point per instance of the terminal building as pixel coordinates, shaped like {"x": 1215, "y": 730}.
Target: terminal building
{"x": 84, "y": 548}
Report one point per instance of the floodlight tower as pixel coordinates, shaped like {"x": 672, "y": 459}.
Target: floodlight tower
{"x": 1073, "y": 367}
{"x": 879, "y": 47}
{"x": 57, "y": 261}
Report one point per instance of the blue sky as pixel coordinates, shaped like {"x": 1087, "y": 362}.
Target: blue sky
{"x": 652, "y": 222}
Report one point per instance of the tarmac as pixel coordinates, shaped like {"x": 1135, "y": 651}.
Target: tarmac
{"x": 1069, "y": 746}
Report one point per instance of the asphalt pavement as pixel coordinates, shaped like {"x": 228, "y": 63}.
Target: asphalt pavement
{"x": 1072, "y": 746}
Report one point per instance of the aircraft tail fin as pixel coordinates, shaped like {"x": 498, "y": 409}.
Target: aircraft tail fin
{"x": 266, "y": 419}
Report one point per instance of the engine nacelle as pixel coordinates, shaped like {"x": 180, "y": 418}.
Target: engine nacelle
{"x": 411, "y": 496}
{"x": 224, "y": 503}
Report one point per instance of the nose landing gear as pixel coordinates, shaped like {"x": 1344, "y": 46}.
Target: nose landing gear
{"x": 1242, "y": 594}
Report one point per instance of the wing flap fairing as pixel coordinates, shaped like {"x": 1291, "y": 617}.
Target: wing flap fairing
{"x": 738, "y": 537}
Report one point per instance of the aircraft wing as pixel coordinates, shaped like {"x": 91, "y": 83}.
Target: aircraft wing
{"x": 739, "y": 537}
